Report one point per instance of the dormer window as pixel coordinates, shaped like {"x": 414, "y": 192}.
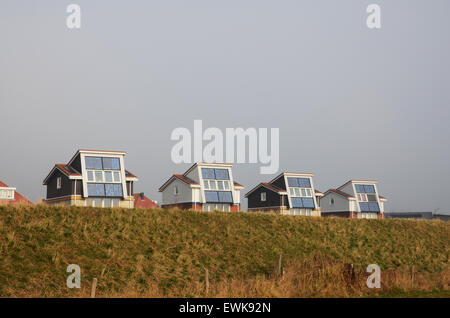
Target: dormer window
{"x": 367, "y": 198}
{"x": 58, "y": 183}
{"x": 301, "y": 193}
{"x": 103, "y": 177}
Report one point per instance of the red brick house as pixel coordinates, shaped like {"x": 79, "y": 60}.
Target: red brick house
{"x": 9, "y": 195}
{"x": 142, "y": 202}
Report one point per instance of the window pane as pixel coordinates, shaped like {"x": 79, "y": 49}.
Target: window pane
{"x": 297, "y": 192}
{"x": 211, "y": 196}
{"x": 359, "y": 188}
{"x": 113, "y": 190}
{"x": 225, "y": 197}
{"x": 208, "y": 173}
{"x": 111, "y": 164}
{"x": 293, "y": 182}
{"x": 308, "y": 193}
{"x": 369, "y": 189}
{"x": 108, "y": 176}
{"x": 222, "y": 174}
{"x": 220, "y": 185}
{"x": 99, "y": 176}
{"x": 206, "y": 184}
{"x": 371, "y": 198}
{"x": 292, "y": 191}
{"x": 297, "y": 202}
{"x": 304, "y": 182}
{"x": 116, "y": 177}
{"x": 303, "y": 193}
{"x": 226, "y": 185}
{"x": 94, "y": 163}
{"x": 308, "y": 203}
{"x": 373, "y": 207}
{"x": 364, "y": 206}
{"x": 90, "y": 175}
{"x": 212, "y": 185}
{"x": 96, "y": 190}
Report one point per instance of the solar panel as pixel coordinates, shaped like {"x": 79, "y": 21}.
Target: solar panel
{"x": 297, "y": 202}
{"x": 94, "y": 163}
{"x": 111, "y": 163}
{"x": 96, "y": 189}
{"x": 293, "y": 182}
{"x": 369, "y": 189}
{"x": 221, "y": 174}
{"x": 225, "y": 196}
{"x": 113, "y": 190}
{"x": 208, "y": 173}
{"x": 304, "y": 182}
{"x": 211, "y": 196}
{"x": 308, "y": 203}
{"x": 373, "y": 207}
{"x": 364, "y": 206}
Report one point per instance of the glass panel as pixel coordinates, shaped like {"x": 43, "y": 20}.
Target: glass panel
{"x": 108, "y": 176}
{"x": 113, "y": 190}
{"x": 364, "y": 206}
{"x": 373, "y": 207}
{"x": 369, "y": 189}
{"x": 212, "y": 185}
{"x": 293, "y": 182}
{"x": 225, "y": 197}
{"x": 371, "y": 198}
{"x": 220, "y": 185}
{"x": 292, "y": 191}
{"x": 303, "y": 193}
{"x": 206, "y": 184}
{"x": 90, "y": 175}
{"x": 359, "y": 188}
{"x": 211, "y": 196}
{"x": 96, "y": 189}
{"x": 304, "y": 183}
{"x": 297, "y": 202}
{"x": 308, "y": 193}
{"x": 297, "y": 192}
{"x": 94, "y": 163}
{"x": 99, "y": 176}
{"x": 226, "y": 185}
{"x": 111, "y": 163}
{"x": 222, "y": 174}
{"x": 116, "y": 176}
{"x": 208, "y": 173}
{"x": 308, "y": 203}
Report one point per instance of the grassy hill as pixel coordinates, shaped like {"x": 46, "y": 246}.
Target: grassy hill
{"x": 161, "y": 253}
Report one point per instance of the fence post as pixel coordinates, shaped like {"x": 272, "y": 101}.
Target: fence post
{"x": 94, "y": 286}
{"x": 206, "y": 281}
{"x": 280, "y": 268}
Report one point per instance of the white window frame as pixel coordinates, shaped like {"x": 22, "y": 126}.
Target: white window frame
{"x": 58, "y": 183}
{"x": 297, "y": 192}
{"x": 8, "y": 193}
{"x": 103, "y": 172}
{"x": 263, "y": 196}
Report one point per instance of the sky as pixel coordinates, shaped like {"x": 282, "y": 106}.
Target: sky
{"x": 350, "y": 102}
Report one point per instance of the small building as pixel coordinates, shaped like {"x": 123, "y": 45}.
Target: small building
{"x": 142, "y": 202}
{"x": 418, "y": 215}
{"x": 354, "y": 199}
{"x": 288, "y": 193}
{"x": 9, "y": 195}
{"x": 203, "y": 187}
{"x": 95, "y": 178}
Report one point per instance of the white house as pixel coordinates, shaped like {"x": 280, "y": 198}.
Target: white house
{"x": 354, "y": 199}
{"x": 203, "y": 187}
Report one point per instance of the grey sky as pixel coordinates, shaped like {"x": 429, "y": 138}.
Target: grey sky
{"x": 350, "y": 102}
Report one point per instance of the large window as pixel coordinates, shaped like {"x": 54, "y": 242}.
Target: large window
{"x": 6, "y": 194}
{"x": 218, "y": 174}
{"x": 103, "y": 176}
{"x": 102, "y": 163}
{"x": 218, "y": 196}
{"x": 369, "y": 207}
{"x": 299, "y": 182}
{"x": 104, "y": 190}
{"x": 364, "y": 188}
{"x": 307, "y": 203}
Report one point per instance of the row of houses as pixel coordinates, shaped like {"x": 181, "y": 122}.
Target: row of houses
{"x": 99, "y": 179}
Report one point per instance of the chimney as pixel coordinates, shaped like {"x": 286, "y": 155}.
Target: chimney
{"x": 142, "y": 195}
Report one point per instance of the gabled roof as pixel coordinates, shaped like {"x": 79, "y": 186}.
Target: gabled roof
{"x": 70, "y": 172}
{"x": 357, "y": 181}
{"x": 267, "y": 185}
{"x": 207, "y": 164}
{"x": 318, "y": 193}
{"x": 129, "y": 175}
{"x": 293, "y": 174}
{"x": 18, "y": 198}
{"x": 341, "y": 193}
{"x": 382, "y": 198}
{"x": 237, "y": 184}
{"x": 145, "y": 203}
{"x": 180, "y": 177}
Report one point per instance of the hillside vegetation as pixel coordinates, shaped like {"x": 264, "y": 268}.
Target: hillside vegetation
{"x": 158, "y": 253}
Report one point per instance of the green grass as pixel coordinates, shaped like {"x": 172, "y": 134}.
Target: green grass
{"x": 136, "y": 247}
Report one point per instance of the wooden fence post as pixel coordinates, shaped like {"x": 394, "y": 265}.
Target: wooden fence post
{"x": 280, "y": 267}
{"x": 94, "y": 286}
{"x": 206, "y": 281}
